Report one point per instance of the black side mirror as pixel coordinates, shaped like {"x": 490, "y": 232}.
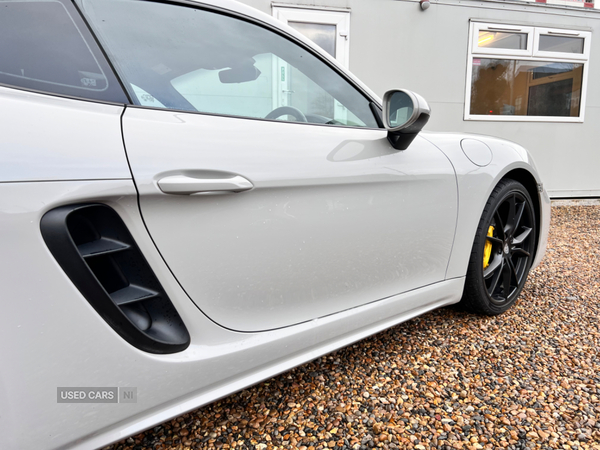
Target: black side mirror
{"x": 404, "y": 116}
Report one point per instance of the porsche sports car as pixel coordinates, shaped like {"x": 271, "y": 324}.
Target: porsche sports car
{"x": 194, "y": 197}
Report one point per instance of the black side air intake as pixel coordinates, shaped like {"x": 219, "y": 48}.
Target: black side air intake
{"x": 93, "y": 246}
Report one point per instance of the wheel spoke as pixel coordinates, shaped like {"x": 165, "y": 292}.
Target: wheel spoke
{"x": 519, "y": 215}
{"x": 520, "y": 238}
{"x": 496, "y": 277}
{"x": 514, "y": 271}
{"x": 510, "y": 219}
{"x": 505, "y": 244}
{"x": 506, "y": 276}
{"x": 494, "y": 240}
{"x": 494, "y": 264}
{"x": 520, "y": 252}
{"x": 500, "y": 223}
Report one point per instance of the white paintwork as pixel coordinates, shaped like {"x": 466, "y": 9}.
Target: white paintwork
{"x": 475, "y": 184}
{"x": 51, "y": 138}
{"x": 477, "y": 152}
{"x": 49, "y": 334}
{"x": 337, "y": 217}
{"x": 52, "y": 337}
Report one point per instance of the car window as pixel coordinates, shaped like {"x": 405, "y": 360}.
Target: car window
{"x": 191, "y": 59}
{"x": 143, "y": 98}
{"x": 45, "y": 46}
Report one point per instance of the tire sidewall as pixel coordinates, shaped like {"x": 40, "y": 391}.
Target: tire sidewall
{"x": 502, "y": 192}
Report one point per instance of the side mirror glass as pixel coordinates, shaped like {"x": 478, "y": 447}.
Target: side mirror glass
{"x": 404, "y": 116}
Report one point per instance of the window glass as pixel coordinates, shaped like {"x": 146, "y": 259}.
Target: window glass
{"x": 525, "y": 88}
{"x": 561, "y": 44}
{"x": 196, "y": 60}
{"x": 323, "y": 34}
{"x": 45, "y": 46}
{"x": 502, "y": 39}
{"x": 520, "y": 82}
{"x": 144, "y": 98}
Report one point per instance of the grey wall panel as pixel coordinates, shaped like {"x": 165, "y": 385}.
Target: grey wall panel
{"x": 394, "y": 44}
{"x": 565, "y": 153}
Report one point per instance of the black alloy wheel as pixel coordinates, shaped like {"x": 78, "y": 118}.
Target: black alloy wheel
{"x": 503, "y": 250}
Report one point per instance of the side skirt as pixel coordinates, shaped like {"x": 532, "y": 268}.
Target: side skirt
{"x": 295, "y": 345}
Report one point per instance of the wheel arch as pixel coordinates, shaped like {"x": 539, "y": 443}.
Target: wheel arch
{"x": 473, "y": 197}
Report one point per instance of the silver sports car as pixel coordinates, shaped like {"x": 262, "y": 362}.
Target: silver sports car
{"x": 194, "y": 197}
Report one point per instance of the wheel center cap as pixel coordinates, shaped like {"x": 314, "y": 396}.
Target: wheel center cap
{"x": 506, "y": 249}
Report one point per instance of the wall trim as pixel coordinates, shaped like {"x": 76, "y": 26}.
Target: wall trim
{"x": 315, "y": 7}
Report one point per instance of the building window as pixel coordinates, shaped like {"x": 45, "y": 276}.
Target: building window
{"x": 526, "y": 73}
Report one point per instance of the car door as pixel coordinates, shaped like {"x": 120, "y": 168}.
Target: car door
{"x": 269, "y": 209}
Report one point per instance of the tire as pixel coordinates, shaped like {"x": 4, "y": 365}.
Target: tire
{"x": 502, "y": 252}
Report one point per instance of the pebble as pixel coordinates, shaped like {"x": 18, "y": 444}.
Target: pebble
{"x": 527, "y": 379}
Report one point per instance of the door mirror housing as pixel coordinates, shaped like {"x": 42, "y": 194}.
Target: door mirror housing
{"x": 404, "y": 116}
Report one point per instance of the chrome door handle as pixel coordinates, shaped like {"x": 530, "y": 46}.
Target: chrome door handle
{"x": 184, "y": 185}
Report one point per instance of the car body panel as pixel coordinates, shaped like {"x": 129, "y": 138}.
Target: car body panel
{"x": 336, "y": 218}
{"x": 60, "y": 151}
{"x": 52, "y": 138}
{"x": 68, "y": 344}
{"x": 476, "y": 183}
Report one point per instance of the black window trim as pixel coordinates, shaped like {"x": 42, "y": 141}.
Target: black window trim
{"x": 103, "y": 51}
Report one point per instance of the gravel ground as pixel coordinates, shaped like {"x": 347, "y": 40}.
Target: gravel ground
{"x": 447, "y": 380}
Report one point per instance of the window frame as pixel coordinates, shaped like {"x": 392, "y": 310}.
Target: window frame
{"x": 374, "y": 105}
{"x": 531, "y": 54}
{"x": 585, "y": 35}
{"x": 477, "y": 27}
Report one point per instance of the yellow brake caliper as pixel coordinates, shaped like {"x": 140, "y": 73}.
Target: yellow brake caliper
{"x": 487, "y": 250}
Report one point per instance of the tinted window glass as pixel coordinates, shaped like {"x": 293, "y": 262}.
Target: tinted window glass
{"x": 561, "y": 44}
{"x": 184, "y": 58}
{"x": 501, "y": 39}
{"x": 322, "y": 34}
{"x": 44, "y": 46}
{"x": 526, "y": 88}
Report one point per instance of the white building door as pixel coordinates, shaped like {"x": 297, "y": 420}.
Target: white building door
{"x": 326, "y": 28}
